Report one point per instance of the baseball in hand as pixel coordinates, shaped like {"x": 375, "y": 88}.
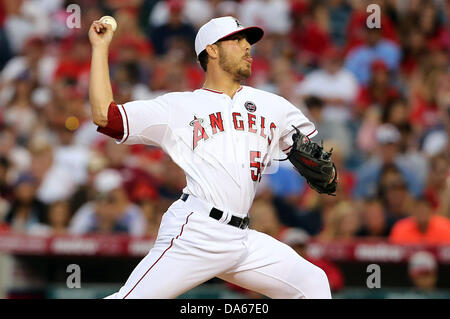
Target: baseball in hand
{"x": 109, "y": 20}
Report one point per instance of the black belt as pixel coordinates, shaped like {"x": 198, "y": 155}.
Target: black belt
{"x": 217, "y": 214}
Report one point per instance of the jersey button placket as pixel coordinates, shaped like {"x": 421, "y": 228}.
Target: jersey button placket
{"x": 236, "y": 138}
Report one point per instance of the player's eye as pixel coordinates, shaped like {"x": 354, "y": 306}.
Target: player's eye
{"x": 236, "y": 37}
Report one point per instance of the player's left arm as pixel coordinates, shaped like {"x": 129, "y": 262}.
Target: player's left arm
{"x": 308, "y": 157}
{"x": 294, "y": 118}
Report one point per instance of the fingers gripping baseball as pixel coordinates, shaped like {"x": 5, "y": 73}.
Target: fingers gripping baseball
{"x": 100, "y": 34}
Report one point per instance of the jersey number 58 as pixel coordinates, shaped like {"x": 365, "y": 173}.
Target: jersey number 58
{"x": 255, "y": 165}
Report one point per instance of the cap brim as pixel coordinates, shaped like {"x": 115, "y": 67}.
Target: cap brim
{"x": 253, "y": 34}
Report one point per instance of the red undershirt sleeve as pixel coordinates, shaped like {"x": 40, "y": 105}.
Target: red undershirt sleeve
{"x": 114, "y": 128}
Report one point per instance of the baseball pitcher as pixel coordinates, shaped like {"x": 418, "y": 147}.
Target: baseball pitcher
{"x": 223, "y": 135}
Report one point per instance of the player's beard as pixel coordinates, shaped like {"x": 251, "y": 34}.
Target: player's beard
{"x": 238, "y": 69}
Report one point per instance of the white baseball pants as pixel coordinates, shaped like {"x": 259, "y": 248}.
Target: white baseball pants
{"x": 192, "y": 248}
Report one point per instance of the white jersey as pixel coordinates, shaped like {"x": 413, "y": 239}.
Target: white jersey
{"x": 223, "y": 144}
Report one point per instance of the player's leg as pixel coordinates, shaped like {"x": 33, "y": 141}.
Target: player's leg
{"x": 164, "y": 273}
{"x": 275, "y": 270}
{"x": 185, "y": 255}
{"x": 168, "y": 270}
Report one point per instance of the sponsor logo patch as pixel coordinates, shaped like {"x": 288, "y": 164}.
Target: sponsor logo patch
{"x": 250, "y": 106}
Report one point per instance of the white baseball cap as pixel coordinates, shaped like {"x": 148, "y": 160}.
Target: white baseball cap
{"x": 422, "y": 261}
{"x": 107, "y": 180}
{"x": 220, "y": 28}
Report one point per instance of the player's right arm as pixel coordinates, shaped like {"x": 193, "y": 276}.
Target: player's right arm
{"x": 135, "y": 122}
{"x": 100, "y": 91}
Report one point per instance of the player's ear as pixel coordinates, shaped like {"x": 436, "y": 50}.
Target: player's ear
{"x": 213, "y": 51}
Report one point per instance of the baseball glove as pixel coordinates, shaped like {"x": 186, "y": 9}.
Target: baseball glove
{"x": 313, "y": 163}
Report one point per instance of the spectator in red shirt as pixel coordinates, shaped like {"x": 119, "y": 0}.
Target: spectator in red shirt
{"x": 379, "y": 92}
{"x": 357, "y": 23}
{"x": 75, "y": 61}
{"x": 429, "y": 21}
{"x": 309, "y": 35}
{"x": 134, "y": 177}
{"x": 2, "y": 14}
{"x": 413, "y": 49}
{"x": 3, "y": 227}
{"x": 422, "y": 227}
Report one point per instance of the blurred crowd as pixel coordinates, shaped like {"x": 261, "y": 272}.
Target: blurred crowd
{"x": 379, "y": 97}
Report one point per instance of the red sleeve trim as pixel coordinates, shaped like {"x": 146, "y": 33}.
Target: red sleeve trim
{"x": 114, "y": 128}
{"x": 311, "y": 133}
{"x": 212, "y": 91}
{"x": 128, "y": 125}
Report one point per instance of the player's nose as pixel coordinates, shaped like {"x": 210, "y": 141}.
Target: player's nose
{"x": 246, "y": 45}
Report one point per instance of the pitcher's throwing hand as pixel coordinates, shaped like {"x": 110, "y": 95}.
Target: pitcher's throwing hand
{"x": 100, "y": 34}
